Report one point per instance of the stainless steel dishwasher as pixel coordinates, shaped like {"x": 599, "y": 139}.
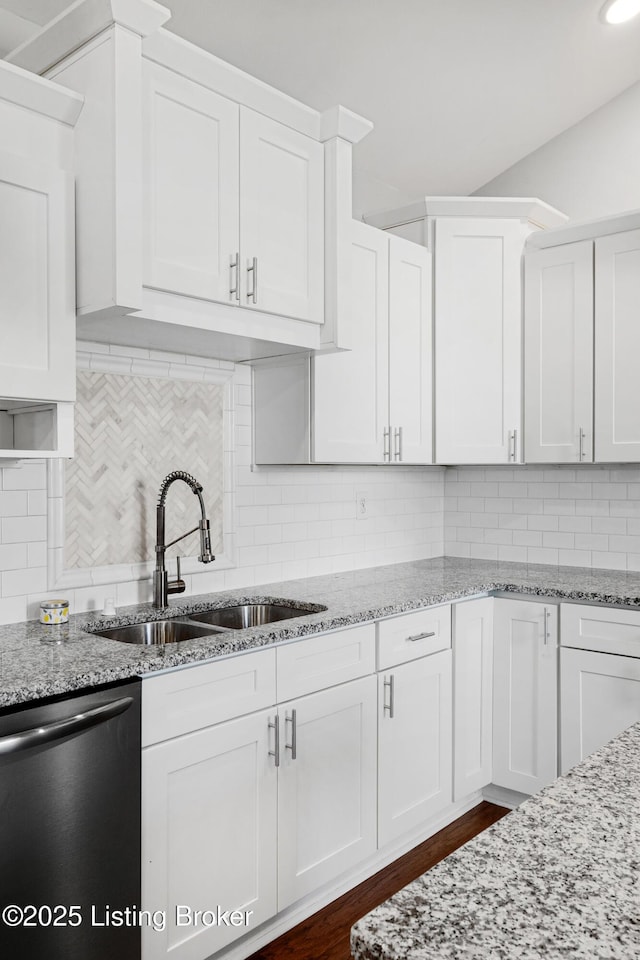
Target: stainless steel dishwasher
{"x": 70, "y": 827}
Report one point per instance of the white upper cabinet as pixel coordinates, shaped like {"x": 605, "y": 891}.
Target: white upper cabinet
{"x": 617, "y": 340}
{"x": 370, "y": 404}
{"x": 281, "y": 219}
{"x": 36, "y": 280}
{"x": 192, "y": 163}
{"x": 37, "y": 255}
{"x": 351, "y": 388}
{"x": 216, "y": 173}
{"x": 477, "y": 246}
{"x": 410, "y": 353}
{"x": 478, "y": 340}
{"x": 558, "y": 352}
{"x": 582, "y": 340}
{"x": 201, "y": 200}
{"x": 373, "y": 404}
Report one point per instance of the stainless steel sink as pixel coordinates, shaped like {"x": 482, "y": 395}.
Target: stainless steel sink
{"x": 251, "y": 615}
{"x": 157, "y": 632}
{"x": 195, "y": 625}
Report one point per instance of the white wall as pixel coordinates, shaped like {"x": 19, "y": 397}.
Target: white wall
{"x": 591, "y": 170}
{"x": 289, "y": 522}
{"x": 587, "y": 516}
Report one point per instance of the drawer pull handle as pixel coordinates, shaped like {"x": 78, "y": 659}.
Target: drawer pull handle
{"x": 275, "y": 726}
{"x": 389, "y": 707}
{"x": 293, "y": 746}
{"x": 421, "y": 636}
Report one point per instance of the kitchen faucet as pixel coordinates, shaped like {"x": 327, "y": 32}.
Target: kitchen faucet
{"x": 162, "y": 586}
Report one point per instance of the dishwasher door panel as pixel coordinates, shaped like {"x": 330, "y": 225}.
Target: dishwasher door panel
{"x": 70, "y": 825}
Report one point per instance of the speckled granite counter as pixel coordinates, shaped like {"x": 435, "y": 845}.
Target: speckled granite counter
{"x": 556, "y": 878}
{"x": 38, "y": 661}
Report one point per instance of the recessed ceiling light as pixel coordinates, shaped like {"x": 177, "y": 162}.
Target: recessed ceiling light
{"x": 619, "y": 11}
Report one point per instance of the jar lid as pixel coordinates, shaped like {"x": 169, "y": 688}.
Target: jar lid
{"x": 53, "y": 604}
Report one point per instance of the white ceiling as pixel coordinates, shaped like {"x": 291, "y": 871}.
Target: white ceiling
{"x": 458, "y": 90}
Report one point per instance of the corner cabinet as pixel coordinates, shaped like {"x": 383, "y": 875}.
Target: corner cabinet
{"x": 477, "y": 246}
{"x": 581, "y": 338}
{"x": 37, "y": 306}
{"x": 370, "y": 404}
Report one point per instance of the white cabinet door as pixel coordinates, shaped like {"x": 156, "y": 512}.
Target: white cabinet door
{"x": 478, "y": 339}
{"x": 410, "y": 352}
{"x": 191, "y": 184}
{"x": 599, "y": 697}
{"x": 617, "y": 348}
{"x": 327, "y": 792}
{"x": 208, "y": 834}
{"x": 350, "y": 406}
{"x": 37, "y": 305}
{"x": 558, "y": 352}
{"x": 472, "y": 695}
{"x": 281, "y": 219}
{"x": 414, "y": 744}
{"x": 524, "y": 694}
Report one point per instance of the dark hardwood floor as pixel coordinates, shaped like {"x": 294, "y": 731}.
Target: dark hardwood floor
{"x": 325, "y": 935}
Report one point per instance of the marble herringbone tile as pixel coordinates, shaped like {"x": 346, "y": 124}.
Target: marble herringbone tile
{"x": 130, "y": 432}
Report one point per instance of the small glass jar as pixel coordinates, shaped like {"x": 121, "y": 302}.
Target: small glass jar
{"x": 53, "y": 612}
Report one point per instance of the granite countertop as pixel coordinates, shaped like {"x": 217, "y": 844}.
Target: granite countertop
{"x": 39, "y": 661}
{"x": 556, "y": 878}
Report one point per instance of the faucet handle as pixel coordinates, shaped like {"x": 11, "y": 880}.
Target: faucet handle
{"x": 178, "y": 585}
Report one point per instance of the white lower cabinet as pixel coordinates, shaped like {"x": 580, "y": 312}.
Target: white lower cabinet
{"x": 525, "y": 672}
{"x": 599, "y": 678}
{"x": 600, "y": 697}
{"x": 208, "y": 835}
{"x": 326, "y": 786}
{"x": 472, "y": 695}
{"x": 414, "y": 744}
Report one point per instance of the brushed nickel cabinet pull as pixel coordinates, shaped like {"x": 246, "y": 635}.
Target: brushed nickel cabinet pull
{"x": 386, "y": 434}
{"x": 390, "y": 686}
{"x": 397, "y": 444}
{"x": 275, "y": 726}
{"x": 581, "y": 435}
{"x": 234, "y": 288}
{"x": 547, "y": 634}
{"x": 421, "y": 636}
{"x": 513, "y": 444}
{"x": 253, "y": 293}
{"x": 293, "y": 746}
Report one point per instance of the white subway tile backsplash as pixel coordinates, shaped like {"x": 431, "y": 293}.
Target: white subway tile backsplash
{"x": 589, "y": 516}
{"x": 23, "y": 529}
{"x": 14, "y": 503}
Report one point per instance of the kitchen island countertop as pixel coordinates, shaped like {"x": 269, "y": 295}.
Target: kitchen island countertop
{"x": 557, "y": 878}
{"x": 38, "y": 661}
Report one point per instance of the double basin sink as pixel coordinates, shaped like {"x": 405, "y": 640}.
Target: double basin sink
{"x": 205, "y": 624}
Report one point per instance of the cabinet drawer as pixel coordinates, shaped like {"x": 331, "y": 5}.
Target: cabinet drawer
{"x": 326, "y": 660}
{"x": 190, "y": 699}
{"x": 412, "y": 635}
{"x": 600, "y": 628}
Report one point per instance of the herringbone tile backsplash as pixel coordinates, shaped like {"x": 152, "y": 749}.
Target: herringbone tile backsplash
{"x": 130, "y": 432}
